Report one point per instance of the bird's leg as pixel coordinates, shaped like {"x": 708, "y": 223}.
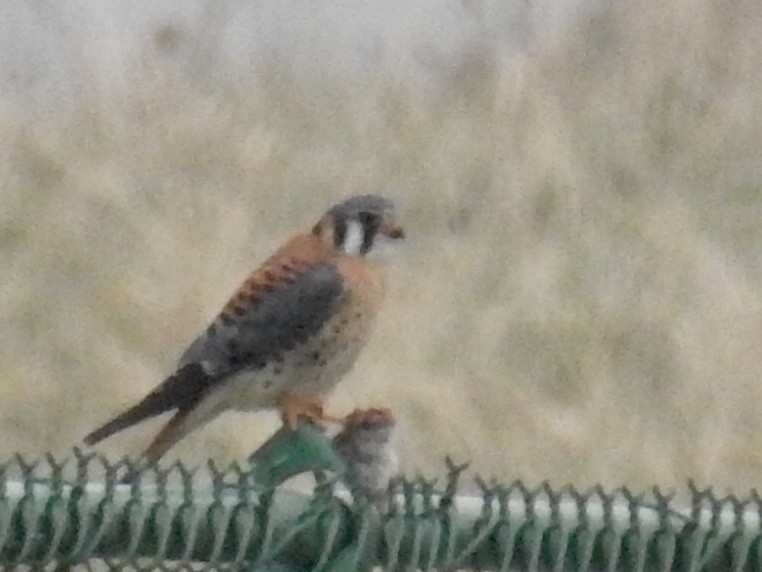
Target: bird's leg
{"x": 292, "y": 407}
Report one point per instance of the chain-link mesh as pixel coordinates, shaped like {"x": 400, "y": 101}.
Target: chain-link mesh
{"x": 57, "y": 514}
{"x": 78, "y": 513}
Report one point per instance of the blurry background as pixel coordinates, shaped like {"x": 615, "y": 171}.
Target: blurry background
{"x": 580, "y": 297}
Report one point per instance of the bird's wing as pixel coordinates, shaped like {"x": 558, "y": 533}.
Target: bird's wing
{"x": 277, "y": 309}
{"x": 281, "y": 305}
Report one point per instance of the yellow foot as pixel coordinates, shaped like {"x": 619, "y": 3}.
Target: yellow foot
{"x": 293, "y": 407}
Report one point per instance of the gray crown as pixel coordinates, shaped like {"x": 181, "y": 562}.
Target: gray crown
{"x": 357, "y": 204}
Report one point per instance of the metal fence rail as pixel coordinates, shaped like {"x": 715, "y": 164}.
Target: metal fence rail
{"x": 58, "y": 514}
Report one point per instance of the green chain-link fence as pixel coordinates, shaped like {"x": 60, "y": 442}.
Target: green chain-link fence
{"x": 76, "y": 512}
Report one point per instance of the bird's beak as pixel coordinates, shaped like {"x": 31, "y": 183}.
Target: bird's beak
{"x": 392, "y": 230}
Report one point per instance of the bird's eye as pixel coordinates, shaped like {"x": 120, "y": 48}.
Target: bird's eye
{"x": 367, "y": 218}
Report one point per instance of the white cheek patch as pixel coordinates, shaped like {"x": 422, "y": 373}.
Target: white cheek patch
{"x": 353, "y": 238}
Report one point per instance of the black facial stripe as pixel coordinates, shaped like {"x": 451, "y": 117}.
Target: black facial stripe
{"x": 339, "y": 232}
{"x": 370, "y": 230}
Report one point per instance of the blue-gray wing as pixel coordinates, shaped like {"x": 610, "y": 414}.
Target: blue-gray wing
{"x": 273, "y": 312}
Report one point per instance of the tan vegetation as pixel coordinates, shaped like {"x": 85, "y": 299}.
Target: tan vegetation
{"x": 580, "y": 298}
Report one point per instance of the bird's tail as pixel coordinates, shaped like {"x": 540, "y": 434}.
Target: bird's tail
{"x": 183, "y": 422}
{"x": 124, "y": 420}
{"x": 177, "y": 392}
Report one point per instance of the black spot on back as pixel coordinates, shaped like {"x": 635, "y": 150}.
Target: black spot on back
{"x": 250, "y": 297}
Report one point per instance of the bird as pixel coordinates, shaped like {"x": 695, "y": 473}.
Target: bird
{"x": 367, "y": 447}
{"x": 288, "y": 334}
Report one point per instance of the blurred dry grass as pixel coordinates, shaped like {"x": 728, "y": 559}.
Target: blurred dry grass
{"x": 580, "y": 298}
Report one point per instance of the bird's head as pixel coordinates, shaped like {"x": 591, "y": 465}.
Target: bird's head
{"x": 362, "y": 225}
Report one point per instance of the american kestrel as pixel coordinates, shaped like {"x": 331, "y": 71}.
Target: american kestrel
{"x": 287, "y": 336}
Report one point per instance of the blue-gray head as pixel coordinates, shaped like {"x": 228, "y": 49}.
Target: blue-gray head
{"x": 361, "y": 225}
